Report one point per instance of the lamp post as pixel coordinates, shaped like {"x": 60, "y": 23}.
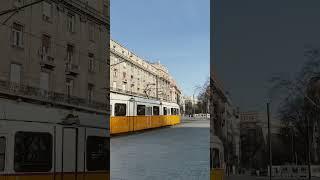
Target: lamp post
{"x": 269, "y": 142}
{"x": 193, "y": 99}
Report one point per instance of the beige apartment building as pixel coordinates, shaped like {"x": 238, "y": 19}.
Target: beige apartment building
{"x": 133, "y": 75}
{"x": 55, "y": 52}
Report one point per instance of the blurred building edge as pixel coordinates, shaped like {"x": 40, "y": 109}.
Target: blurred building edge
{"x": 135, "y": 76}
{"x": 53, "y": 61}
{"x": 253, "y": 141}
{"x": 225, "y": 124}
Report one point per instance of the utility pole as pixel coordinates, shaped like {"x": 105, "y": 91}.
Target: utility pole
{"x": 269, "y": 139}
{"x": 308, "y": 140}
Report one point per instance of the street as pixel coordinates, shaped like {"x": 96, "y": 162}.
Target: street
{"x": 180, "y": 153}
{"x": 244, "y": 177}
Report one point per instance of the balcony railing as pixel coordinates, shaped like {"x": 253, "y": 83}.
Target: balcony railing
{"x": 37, "y": 94}
{"x": 88, "y": 9}
{"x": 47, "y": 62}
{"x": 72, "y": 69}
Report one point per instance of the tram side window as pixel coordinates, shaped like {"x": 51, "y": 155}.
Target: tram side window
{"x": 172, "y": 111}
{"x": 32, "y": 152}
{"x": 215, "y": 158}
{"x": 165, "y": 111}
{"x": 141, "y": 110}
{"x": 120, "y": 109}
{"x": 98, "y": 153}
{"x": 149, "y": 111}
{"x": 2, "y": 153}
{"x": 156, "y": 110}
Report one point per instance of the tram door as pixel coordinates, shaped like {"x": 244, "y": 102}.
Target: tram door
{"x": 131, "y": 115}
{"x": 3, "y": 153}
{"x": 69, "y": 153}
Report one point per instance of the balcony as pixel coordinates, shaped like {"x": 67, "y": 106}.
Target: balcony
{"x": 12, "y": 90}
{"x": 72, "y": 69}
{"x": 86, "y": 9}
{"x": 47, "y": 62}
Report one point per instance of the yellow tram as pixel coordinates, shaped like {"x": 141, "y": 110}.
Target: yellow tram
{"x": 49, "y": 143}
{"x": 129, "y": 114}
{"x": 217, "y": 167}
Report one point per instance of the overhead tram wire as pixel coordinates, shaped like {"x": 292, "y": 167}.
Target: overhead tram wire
{"x": 19, "y": 8}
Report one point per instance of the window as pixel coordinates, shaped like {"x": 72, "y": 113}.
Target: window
{"x": 164, "y": 111}
{"x": 114, "y": 84}
{"x": 124, "y": 85}
{"x": 44, "y": 81}
{"x": 70, "y": 52}
{"x": 32, "y": 152}
{"x": 46, "y": 44}
{"x": 90, "y": 92}
{"x": 91, "y": 31}
{"x": 173, "y": 111}
{"x": 91, "y": 62}
{"x": 141, "y": 110}
{"x": 98, "y": 153}
{"x": 15, "y": 73}
{"x": 124, "y": 75}
{"x": 71, "y": 20}
{"x": 149, "y": 111}
{"x": 120, "y": 109}
{"x": 2, "y": 153}
{"x": 115, "y": 72}
{"x": 17, "y": 35}
{"x": 69, "y": 86}
{"x": 47, "y": 11}
{"x": 156, "y": 110}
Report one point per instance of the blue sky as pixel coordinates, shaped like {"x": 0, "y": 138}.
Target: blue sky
{"x": 174, "y": 32}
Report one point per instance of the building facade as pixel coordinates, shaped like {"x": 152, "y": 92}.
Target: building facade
{"x": 133, "y": 75}
{"x": 57, "y": 47}
{"x": 225, "y": 124}
{"x": 253, "y": 142}
{"x": 54, "y": 79}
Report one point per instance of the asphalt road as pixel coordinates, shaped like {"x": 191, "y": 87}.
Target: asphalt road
{"x": 238, "y": 177}
{"x": 175, "y": 153}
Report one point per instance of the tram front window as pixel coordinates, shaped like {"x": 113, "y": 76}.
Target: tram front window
{"x": 32, "y": 152}
{"x": 98, "y": 153}
{"x": 2, "y": 152}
